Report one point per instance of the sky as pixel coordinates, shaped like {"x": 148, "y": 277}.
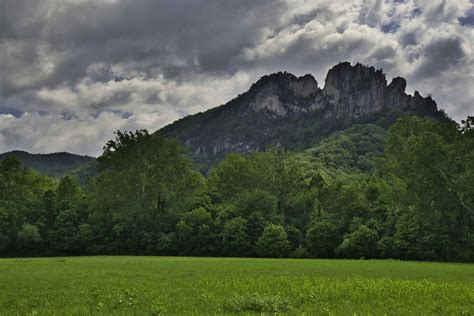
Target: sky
{"x": 72, "y": 72}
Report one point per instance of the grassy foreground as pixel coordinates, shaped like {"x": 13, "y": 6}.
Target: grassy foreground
{"x": 176, "y": 285}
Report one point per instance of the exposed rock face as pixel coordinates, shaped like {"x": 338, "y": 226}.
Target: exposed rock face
{"x": 293, "y": 112}
{"x": 355, "y": 90}
{"x": 395, "y": 95}
{"x": 281, "y": 94}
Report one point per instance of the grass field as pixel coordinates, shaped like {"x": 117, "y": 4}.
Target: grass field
{"x": 176, "y": 285}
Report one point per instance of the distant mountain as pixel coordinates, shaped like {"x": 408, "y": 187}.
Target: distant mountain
{"x": 54, "y": 165}
{"x": 294, "y": 113}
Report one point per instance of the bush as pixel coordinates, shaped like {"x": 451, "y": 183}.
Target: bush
{"x": 259, "y": 304}
{"x": 300, "y": 252}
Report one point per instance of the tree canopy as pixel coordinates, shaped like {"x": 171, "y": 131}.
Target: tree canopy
{"x": 405, "y": 193}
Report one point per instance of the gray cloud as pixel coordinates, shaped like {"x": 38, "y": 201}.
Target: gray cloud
{"x": 73, "y": 71}
{"x": 439, "y": 55}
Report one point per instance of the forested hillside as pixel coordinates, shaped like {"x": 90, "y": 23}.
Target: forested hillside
{"x": 54, "y": 165}
{"x": 362, "y": 193}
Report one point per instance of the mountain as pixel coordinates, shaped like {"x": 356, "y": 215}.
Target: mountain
{"x": 295, "y": 113}
{"x": 54, "y": 165}
{"x": 280, "y": 109}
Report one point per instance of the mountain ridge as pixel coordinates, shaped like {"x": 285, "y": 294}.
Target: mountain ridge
{"x": 55, "y": 164}
{"x": 293, "y": 112}
{"x": 279, "y": 109}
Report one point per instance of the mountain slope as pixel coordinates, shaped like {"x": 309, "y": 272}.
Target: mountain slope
{"x": 295, "y": 113}
{"x": 54, "y": 165}
{"x": 356, "y": 148}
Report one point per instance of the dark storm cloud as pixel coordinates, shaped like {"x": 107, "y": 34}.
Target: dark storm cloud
{"x": 175, "y": 38}
{"x": 439, "y": 55}
{"x": 75, "y": 70}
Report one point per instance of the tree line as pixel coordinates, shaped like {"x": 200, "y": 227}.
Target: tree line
{"x": 405, "y": 193}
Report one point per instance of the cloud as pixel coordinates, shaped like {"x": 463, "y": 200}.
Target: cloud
{"x": 73, "y": 71}
{"x": 83, "y": 118}
{"x": 439, "y": 55}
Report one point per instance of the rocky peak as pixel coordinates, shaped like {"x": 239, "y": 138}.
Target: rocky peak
{"x": 304, "y": 86}
{"x": 347, "y": 78}
{"x": 395, "y": 96}
{"x": 398, "y": 84}
{"x": 284, "y": 81}
{"x": 424, "y": 106}
{"x": 355, "y": 90}
{"x": 281, "y": 93}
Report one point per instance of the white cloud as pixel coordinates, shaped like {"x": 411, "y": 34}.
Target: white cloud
{"x": 86, "y": 126}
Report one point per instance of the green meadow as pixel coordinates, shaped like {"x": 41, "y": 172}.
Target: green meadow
{"x": 181, "y": 285}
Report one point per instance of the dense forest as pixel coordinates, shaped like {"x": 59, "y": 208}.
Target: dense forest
{"x": 405, "y": 193}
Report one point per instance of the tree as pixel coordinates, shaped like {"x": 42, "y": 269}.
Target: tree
{"x": 434, "y": 160}
{"x": 65, "y": 236}
{"x": 146, "y": 181}
{"x": 69, "y": 193}
{"x": 256, "y": 223}
{"x": 273, "y": 243}
{"x": 301, "y": 208}
{"x": 21, "y": 186}
{"x": 322, "y": 239}
{"x": 28, "y": 237}
{"x": 295, "y": 237}
{"x": 148, "y": 171}
{"x": 235, "y": 241}
{"x": 361, "y": 243}
{"x": 261, "y": 201}
{"x": 194, "y": 233}
{"x": 8, "y": 223}
{"x": 355, "y": 148}
{"x": 230, "y": 177}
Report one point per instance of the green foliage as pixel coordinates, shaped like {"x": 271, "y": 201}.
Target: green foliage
{"x": 434, "y": 160}
{"x": 145, "y": 171}
{"x": 227, "y": 179}
{"x": 145, "y": 182}
{"x": 361, "y": 243}
{"x": 355, "y": 148}
{"x": 405, "y": 194}
{"x": 300, "y": 252}
{"x": 273, "y": 243}
{"x": 28, "y": 236}
{"x": 55, "y": 165}
{"x": 194, "y": 234}
{"x": 7, "y": 229}
{"x": 257, "y": 201}
{"x": 235, "y": 241}
{"x": 322, "y": 238}
{"x": 258, "y": 304}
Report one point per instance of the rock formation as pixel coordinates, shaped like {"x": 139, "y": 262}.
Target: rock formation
{"x": 293, "y": 112}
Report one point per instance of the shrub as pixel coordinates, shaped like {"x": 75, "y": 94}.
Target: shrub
{"x": 259, "y": 304}
{"x": 300, "y": 252}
